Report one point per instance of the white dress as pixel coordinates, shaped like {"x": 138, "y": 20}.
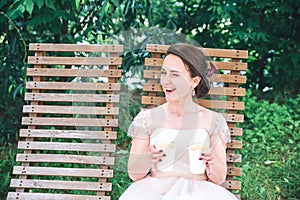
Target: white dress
{"x": 179, "y": 183}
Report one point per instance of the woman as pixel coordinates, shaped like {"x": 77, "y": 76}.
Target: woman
{"x": 180, "y": 122}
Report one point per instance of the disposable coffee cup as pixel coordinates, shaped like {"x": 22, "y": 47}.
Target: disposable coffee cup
{"x": 167, "y": 162}
{"x": 197, "y": 166}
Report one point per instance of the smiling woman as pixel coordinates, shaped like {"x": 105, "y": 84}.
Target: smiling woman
{"x": 163, "y": 162}
{"x": 176, "y": 80}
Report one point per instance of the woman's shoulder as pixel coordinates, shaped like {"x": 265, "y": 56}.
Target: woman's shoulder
{"x": 210, "y": 114}
{"x": 147, "y": 115}
{"x": 213, "y": 119}
{"x": 152, "y": 112}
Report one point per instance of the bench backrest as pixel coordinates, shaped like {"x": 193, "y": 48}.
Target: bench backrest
{"x": 66, "y": 145}
{"x": 224, "y": 96}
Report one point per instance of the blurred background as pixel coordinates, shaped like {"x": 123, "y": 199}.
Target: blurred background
{"x": 269, "y": 30}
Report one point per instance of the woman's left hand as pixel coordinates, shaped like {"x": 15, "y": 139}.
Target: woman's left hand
{"x": 209, "y": 161}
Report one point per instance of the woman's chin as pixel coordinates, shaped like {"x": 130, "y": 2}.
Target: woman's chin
{"x": 171, "y": 98}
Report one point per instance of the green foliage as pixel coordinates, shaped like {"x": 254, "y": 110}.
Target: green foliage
{"x": 9, "y": 119}
{"x": 271, "y": 150}
{"x": 7, "y": 154}
{"x": 267, "y": 29}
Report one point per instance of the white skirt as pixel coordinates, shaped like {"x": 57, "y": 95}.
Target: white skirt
{"x": 175, "y": 188}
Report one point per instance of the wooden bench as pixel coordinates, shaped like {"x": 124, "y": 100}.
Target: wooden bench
{"x": 69, "y": 123}
{"x": 224, "y": 99}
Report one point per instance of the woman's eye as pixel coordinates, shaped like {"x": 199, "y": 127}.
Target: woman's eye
{"x": 175, "y": 75}
{"x": 163, "y": 72}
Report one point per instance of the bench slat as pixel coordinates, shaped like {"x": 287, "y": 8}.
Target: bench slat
{"x": 73, "y": 86}
{"x": 235, "y": 144}
{"x": 74, "y": 72}
{"x": 231, "y": 105}
{"x": 234, "y": 131}
{"x": 234, "y": 171}
{"x": 79, "y": 134}
{"x": 54, "y": 97}
{"x": 234, "y": 158}
{"x": 223, "y": 53}
{"x": 232, "y": 185}
{"x": 226, "y": 91}
{"x": 48, "y": 196}
{"x": 61, "y": 185}
{"x": 71, "y": 110}
{"x": 63, "y": 158}
{"x": 225, "y": 78}
{"x": 75, "y": 47}
{"x": 56, "y": 121}
{"x": 57, "y": 171}
{"x": 49, "y": 60}
{"x": 66, "y": 146}
{"x": 234, "y": 118}
{"x": 234, "y": 66}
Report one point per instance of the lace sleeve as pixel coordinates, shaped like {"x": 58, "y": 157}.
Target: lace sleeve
{"x": 219, "y": 130}
{"x": 140, "y": 125}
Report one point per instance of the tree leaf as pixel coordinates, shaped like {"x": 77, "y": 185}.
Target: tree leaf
{"x": 2, "y": 3}
{"x": 17, "y": 90}
{"x": 29, "y": 5}
{"x": 78, "y": 4}
{"x": 39, "y": 3}
{"x": 21, "y": 8}
{"x": 50, "y": 4}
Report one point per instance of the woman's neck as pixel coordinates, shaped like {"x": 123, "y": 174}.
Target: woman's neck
{"x": 181, "y": 108}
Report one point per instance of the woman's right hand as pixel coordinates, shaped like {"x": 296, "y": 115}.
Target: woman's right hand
{"x": 156, "y": 157}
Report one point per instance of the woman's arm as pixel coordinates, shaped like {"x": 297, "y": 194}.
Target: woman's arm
{"x": 217, "y": 167}
{"x": 139, "y": 163}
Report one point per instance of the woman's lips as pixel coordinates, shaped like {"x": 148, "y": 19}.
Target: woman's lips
{"x": 170, "y": 90}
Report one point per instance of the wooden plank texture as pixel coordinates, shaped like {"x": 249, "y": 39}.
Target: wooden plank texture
{"x": 92, "y": 110}
{"x": 64, "y": 158}
{"x": 48, "y": 196}
{"x": 234, "y": 158}
{"x": 235, "y": 144}
{"x": 225, "y": 78}
{"x": 48, "y": 72}
{"x": 223, "y": 53}
{"x": 232, "y": 185}
{"x": 77, "y": 134}
{"x": 56, "y": 121}
{"x": 234, "y": 171}
{"x": 73, "y": 86}
{"x": 237, "y": 118}
{"x": 55, "y": 97}
{"x": 67, "y": 146}
{"x": 61, "y": 185}
{"x": 76, "y": 47}
{"x": 235, "y": 66}
{"x": 232, "y": 105}
{"x": 56, "y": 171}
{"x": 84, "y": 90}
{"x": 234, "y": 131}
{"x": 49, "y": 60}
{"x": 225, "y": 91}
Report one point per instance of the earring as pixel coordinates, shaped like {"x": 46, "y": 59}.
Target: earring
{"x": 193, "y": 93}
